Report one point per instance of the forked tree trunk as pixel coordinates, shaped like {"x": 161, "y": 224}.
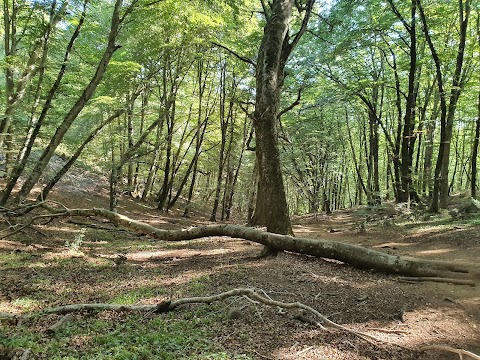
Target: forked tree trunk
{"x": 271, "y": 205}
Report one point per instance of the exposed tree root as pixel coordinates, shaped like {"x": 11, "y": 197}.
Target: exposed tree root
{"x": 258, "y": 296}
{"x": 167, "y": 306}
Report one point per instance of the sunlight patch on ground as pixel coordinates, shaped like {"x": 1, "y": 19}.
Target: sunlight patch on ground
{"x": 429, "y": 230}
{"x": 65, "y": 254}
{"x": 310, "y": 352}
{"x": 15, "y": 246}
{"x": 437, "y": 325}
{"x": 172, "y": 254}
{"x": 301, "y": 229}
{"x": 18, "y": 305}
{"x": 434, "y": 251}
{"x": 473, "y": 301}
{"x": 421, "y": 327}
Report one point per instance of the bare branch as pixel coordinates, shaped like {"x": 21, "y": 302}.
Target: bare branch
{"x": 238, "y": 56}
{"x": 265, "y": 10}
{"x": 291, "y": 106}
{"x": 291, "y": 45}
{"x": 399, "y": 15}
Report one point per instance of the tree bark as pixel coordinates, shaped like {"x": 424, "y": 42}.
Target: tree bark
{"x": 271, "y": 205}
{"x": 440, "y": 189}
{"x": 224, "y": 121}
{"x": 473, "y": 179}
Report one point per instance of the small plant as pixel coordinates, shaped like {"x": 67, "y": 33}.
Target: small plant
{"x": 74, "y": 245}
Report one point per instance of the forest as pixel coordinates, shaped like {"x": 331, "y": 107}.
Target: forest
{"x": 248, "y": 179}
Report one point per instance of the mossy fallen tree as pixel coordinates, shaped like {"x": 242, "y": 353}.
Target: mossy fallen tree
{"x": 355, "y": 255}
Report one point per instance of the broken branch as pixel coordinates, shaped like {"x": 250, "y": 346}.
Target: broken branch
{"x": 437, "y": 279}
{"x": 460, "y": 352}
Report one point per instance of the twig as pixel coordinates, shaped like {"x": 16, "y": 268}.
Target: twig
{"x": 460, "y": 352}
{"x": 437, "y": 279}
{"x": 389, "y": 331}
{"x": 304, "y": 350}
{"x": 238, "y": 56}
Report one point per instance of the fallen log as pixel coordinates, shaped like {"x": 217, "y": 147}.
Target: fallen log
{"x": 355, "y": 255}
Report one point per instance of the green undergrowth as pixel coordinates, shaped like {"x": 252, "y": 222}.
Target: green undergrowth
{"x": 184, "y": 334}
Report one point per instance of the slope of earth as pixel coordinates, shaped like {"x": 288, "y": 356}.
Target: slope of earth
{"x": 83, "y": 260}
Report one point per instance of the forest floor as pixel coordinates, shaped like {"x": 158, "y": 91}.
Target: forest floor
{"x": 72, "y": 260}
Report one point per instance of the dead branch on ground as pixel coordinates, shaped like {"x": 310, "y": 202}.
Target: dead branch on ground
{"x": 434, "y": 279}
{"x": 60, "y": 324}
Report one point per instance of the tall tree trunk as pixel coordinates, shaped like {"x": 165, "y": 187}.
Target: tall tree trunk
{"x": 202, "y": 74}
{"x": 36, "y": 124}
{"x": 252, "y": 195}
{"x": 408, "y": 138}
{"x": 56, "y": 178}
{"x": 473, "y": 179}
{"x": 440, "y": 190}
{"x": 87, "y": 93}
{"x": 271, "y": 205}
{"x": 225, "y": 118}
{"x": 117, "y": 168}
{"x": 142, "y": 124}
{"x": 154, "y": 165}
{"x": 237, "y": 171}
{"x": 167, "y": 100}
{"x": 162, "y": 199}
{"x": 427, "y": 183}
{"x": 129, "y": 114}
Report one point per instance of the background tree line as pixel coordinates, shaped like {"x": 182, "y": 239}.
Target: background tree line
{"x": 379, "y": 101}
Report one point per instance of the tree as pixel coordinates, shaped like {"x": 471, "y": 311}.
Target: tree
{"x": 119, "y": 13}
{"x": 441, "y": 188}
{"x": 271, "y": 208}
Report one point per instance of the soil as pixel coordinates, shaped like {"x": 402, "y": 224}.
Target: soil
{"x": 406, "y": 316}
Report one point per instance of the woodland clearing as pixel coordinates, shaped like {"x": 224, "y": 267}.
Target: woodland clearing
{"x": 85, "y": 260}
